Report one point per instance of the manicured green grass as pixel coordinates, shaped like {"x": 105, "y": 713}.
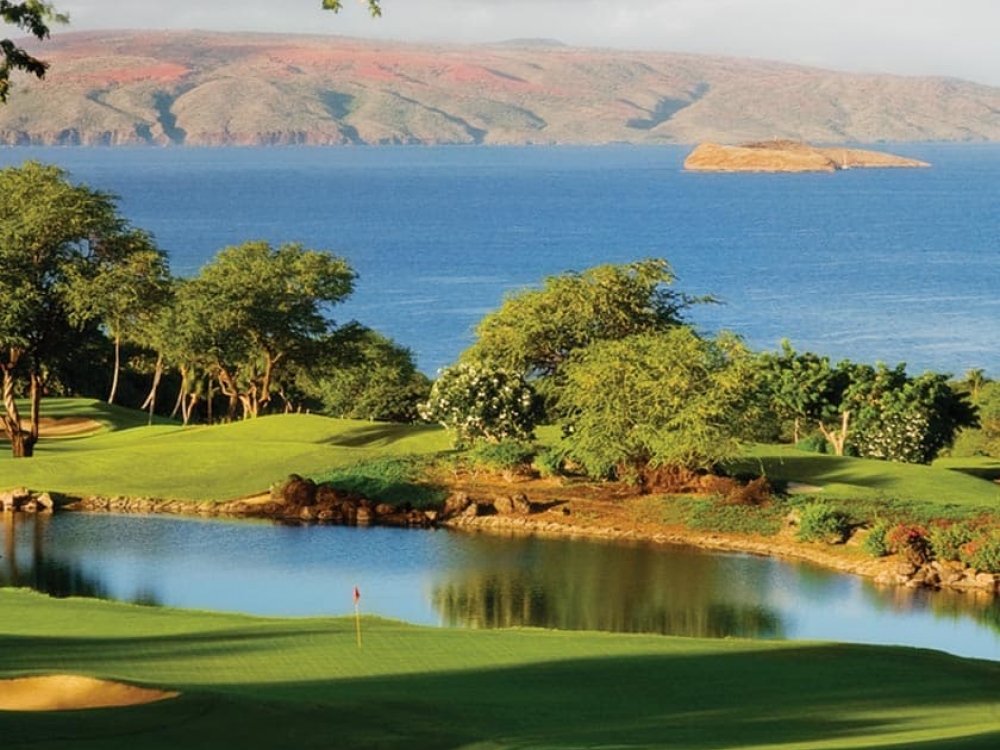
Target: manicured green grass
{"x": 223, "y": 462}
{"x": 203, "y": 463}
{"x": 843, "y": 477}
{"x": 984, "y": 467}
{"x": 255, "y": 683}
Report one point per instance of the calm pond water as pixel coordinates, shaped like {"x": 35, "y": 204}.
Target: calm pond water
{"x": 471, "y": 580}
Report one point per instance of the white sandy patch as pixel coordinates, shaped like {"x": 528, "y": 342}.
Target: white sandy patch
{"x": 71, "y": 692}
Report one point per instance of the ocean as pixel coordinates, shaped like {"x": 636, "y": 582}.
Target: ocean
{"x": 870, "y": 265}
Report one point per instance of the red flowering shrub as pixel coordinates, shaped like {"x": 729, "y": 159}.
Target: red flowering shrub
{"x": 910, "y": 541}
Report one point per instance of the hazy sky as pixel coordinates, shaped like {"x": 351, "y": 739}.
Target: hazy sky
{"x": 933, "y": 37}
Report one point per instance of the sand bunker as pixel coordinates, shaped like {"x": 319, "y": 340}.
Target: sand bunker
{"x": 70, "y": 692}
{"x": 61, "y": 427}
{"x": 66, "y": 426}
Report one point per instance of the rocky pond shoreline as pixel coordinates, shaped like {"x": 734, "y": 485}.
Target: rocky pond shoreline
{"x": 514, "y": 511}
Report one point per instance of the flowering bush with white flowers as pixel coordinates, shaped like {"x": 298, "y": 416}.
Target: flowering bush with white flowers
{"x": 481, "y": 403}
{"x": 897, "y": 437}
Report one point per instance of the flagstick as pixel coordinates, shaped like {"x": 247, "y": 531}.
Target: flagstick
{"x": 357, "y": 615}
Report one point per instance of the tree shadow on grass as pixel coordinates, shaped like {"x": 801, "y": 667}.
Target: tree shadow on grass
{"x": 821, "y": 695}
{"x": 989, "y": 473}
{"x": 821, "y": 469}
{"x": 375, "y": 434}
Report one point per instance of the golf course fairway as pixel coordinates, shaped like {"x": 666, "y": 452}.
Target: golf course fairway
{"x": 306, "y": 683}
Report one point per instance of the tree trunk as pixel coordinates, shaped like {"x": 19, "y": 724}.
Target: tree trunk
{"x": 150, "y": 401}
{"x": 837, "y": 438}
{"x": 179, "y": 403}
{"x": 209, "y": 400}
{"x": 11, "y": 417}
{"x": 118, "y": 367}
{"x": 20, "y": 443}
{"x": 36, "y": 408}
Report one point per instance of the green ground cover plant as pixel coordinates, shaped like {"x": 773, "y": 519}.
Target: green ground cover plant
{"x": 395, "y": 480}
{"x": 823, "y": 522}
{"x": 254, "y": 683}
{"x": 713, "y": 514}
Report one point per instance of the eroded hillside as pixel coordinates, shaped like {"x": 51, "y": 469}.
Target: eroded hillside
{"x": 195, "y": 88}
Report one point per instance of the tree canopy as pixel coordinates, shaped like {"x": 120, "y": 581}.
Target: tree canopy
{"x": 33, "y": 17}
{"x": 374, "y": 6}
{"x": 357, "y": 373}
{"x": 253, "y": 310}
{"x": 871, "y": 411}
{"x": 656, "y": 399}
{"x": 536, "y": 330}
{"x": 54, "y": 238}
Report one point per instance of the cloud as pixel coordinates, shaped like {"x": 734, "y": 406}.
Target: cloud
{"x": 901, "y": 36}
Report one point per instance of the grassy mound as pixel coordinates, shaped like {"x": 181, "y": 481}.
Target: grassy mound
{"x": 221, "y": 462}
{"x": 950, "y": 482}
{"x": 248, "y": 682}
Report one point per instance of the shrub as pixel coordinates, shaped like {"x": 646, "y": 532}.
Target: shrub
{"x": 507, "y": 455}
{"x": 947, "y": 539}
{"x": 479, "y": 403}
{"x": 814, "y": 443}
{"x": 724, "y": 518}
{"x": 983, "y": 552}
{"x": 875, "y": 543}
{"x": 822, "y": 522}
{"x": 388, "y": 480}
{"x": 756, "y": 491}
{"x": 551, "y": 461}
{"x": 910, "y": 541}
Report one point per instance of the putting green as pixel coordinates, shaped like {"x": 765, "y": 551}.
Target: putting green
{"x": 257, "y": 683}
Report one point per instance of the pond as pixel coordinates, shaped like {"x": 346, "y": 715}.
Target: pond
{"x": 454, "y": 579}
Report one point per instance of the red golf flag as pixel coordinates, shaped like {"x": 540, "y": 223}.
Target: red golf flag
{"x": 357, "y": 594}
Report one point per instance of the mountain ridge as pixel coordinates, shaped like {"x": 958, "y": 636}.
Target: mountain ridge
{"x": 218, "y": 88}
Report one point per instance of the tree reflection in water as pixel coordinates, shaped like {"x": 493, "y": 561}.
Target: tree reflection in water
{"x": 476, "y": 580}
{"x": 609, "y": 587}
{"x": 25, "y": 563}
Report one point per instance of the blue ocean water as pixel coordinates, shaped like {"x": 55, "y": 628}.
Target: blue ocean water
{"x": 872, "y": 265}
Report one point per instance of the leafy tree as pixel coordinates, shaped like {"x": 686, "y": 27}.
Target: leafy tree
{"x": 51, "y": 233}
{"x": 903, "y": 418}
{"x": 536, "y": 331}
{"x": 482, "y": 403}
{"x": 804, "y": 389}
{"x": 876, "y": 412}
{"x": 986, "y": 439}
{"x": 374, "y": 6}
{"x": 173, "y": 334}
{"x": 127, "y": 281}
{"x": 357, "y": 373}
{"x": 656, "y": 399}
{"x": 34, "y": 17}
{"x": 255, "y": 309}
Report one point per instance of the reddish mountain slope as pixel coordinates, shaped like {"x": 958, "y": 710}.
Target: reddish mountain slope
{"x": 198, "y": 88}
